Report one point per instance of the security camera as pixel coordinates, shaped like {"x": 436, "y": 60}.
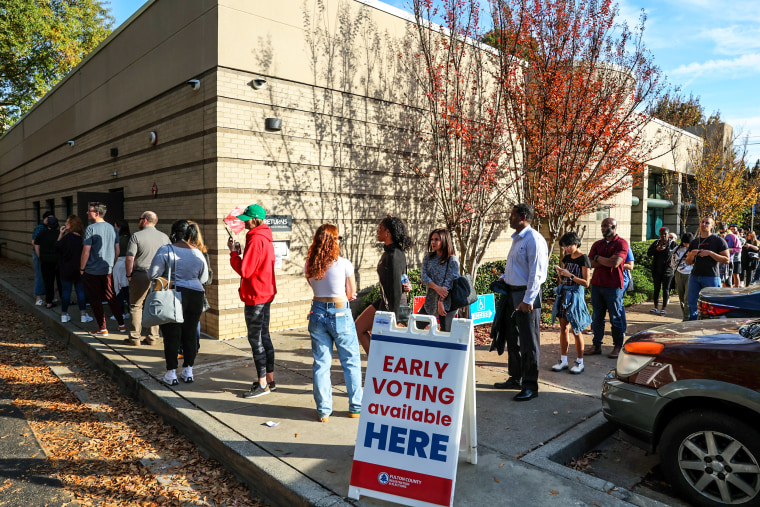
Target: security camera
{"x": 194, "y": 84}
{"x": 258, "y": 83}
{"x": 70, "y": 143}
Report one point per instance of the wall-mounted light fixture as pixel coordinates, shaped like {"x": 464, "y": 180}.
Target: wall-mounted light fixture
{"x": 70, "y": 143}
{"x": 258, "y": 83}
{"x": 114, "y": 152}
{"x": 194, "y": 84}
{"x": 115, "y": 174}
{"x": 153, "y": 138}
{"x": 273, "y": 124}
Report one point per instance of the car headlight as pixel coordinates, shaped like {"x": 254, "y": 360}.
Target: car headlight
{"x": 637, "y": 355}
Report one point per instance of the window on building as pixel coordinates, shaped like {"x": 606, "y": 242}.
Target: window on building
{"x": 68, "y": 205}
{"x": 36, "y": 212}
{"x": 655, "y": 218}
{"x": 654, "y": 189}
{"x": 50, "y": 206}
{"x": 602, "y": 212}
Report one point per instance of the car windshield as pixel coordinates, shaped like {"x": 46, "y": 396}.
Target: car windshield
{"x": 750, "y": 330}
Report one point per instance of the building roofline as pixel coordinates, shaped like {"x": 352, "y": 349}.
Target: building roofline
{"x": 682, "y": 131}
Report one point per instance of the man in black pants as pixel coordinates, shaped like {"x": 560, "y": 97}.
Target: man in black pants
{"x": 524, "y": 273}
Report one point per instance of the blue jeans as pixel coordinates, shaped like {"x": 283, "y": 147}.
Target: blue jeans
{"x": 696, "y": 284}
{"x": 81, "y": 300}
{"x": 610, "y": 299}
{"x": 328, "y": 323}
{"x": 39, "y": 282}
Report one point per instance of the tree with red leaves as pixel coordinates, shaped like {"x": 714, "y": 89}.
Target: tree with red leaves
{"x": 574, "y": 101}
{"x": 460, "y": 124}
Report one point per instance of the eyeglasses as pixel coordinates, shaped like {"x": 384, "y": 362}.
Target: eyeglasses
{"x": 91, "y": 211}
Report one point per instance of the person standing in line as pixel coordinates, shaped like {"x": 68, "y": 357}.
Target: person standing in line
{"x": 99, "y": 253}
{"x": 440, "y": 267}
{"x": 661, "y": 252}
{"x": 69, "y": 246}
{"x": 45, "y": 248}
{"x": 332, "y": 280}
{"x": 607, "y": 256}
{"x": 705, "y": 253}
{"x": 39, "y": 282}
{"x": 726, "y": 271}
{"x": 736, "y": 255}
{"x": 750, "y": 258}
{"x": 141, "y": 249}
{"x": 524, "y": 273}
{"x": 682, "y": 271}
{"x": 119, "y": 275}
{"x": 188, "y": 273}
{"x": 257, "y": 290}
{"x": 198, "y": 243}
{"x": 570, "y": 307}
{"x": 391, "y": 232}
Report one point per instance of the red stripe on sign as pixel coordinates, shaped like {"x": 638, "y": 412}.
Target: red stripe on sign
{"x": 394, "y": 481}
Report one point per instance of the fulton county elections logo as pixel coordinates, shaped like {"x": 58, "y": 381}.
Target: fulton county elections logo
{"x": 383, "y": 478}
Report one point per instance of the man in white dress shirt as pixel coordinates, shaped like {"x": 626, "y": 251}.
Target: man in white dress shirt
{"x": 524, "y": 273}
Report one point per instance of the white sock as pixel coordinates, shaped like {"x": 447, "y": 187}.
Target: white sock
{"x": 563, "y": 359}
{"x": 579, "y": 360}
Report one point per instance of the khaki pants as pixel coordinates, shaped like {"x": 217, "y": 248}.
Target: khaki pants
{"x": 139, "y": 286}
{"x": 682, "y": 287}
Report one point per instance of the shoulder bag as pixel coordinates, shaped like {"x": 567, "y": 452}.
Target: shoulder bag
{"x": 163, "y": 305}
{"x": 462, "y": 291}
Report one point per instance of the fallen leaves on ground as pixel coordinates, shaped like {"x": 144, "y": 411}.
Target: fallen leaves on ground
{"x": 583, "y": 463}
{"x": 109, "y": 450}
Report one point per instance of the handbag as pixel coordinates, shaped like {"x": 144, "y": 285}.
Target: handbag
{"x": 462, "y": 291}
{"x": 163, "y": 304}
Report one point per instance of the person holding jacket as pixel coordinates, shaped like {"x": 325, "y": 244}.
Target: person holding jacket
{"x": 440, "y": 268}
{"x": 570, "y": 304}
{"x": 661, "y": 252}
{"x": 257, "y": 290}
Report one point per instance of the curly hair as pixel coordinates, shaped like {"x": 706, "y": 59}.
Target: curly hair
{"x": 398, "y": 232}
{"x": 324, "y": 250}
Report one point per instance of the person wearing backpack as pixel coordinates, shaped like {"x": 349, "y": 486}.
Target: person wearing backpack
{"x": 440, "y": 268}
{"x": 520, "y": 309}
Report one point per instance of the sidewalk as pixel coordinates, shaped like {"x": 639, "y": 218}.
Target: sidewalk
{"x": 304, "y": 462}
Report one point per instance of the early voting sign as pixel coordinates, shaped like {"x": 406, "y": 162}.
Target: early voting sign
{"x": 407, "y": 446}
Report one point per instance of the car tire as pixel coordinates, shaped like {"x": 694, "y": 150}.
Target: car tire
{"x": 712, "y": 458}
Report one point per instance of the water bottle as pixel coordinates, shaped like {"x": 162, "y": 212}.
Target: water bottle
{"x": 404, "y": 279}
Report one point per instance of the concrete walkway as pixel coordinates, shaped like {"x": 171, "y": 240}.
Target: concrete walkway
{"x": 301, "y": 461}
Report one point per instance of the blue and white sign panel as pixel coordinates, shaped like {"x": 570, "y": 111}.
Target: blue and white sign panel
{"x": 483, "y": 310}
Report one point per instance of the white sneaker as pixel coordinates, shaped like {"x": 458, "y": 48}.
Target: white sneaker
{"x": 113, "y": 317}
{"x": 654, "y": 311}
{"x": 125, "y": 316}
{"x": 170, "y": 378}
{"x": 86, "y": 318}
{"x": 187, "y": 374}
{"x": 39, "y": 302}
{"x": 65, "y": 318}
{"x": 560, "y": 366}
{"x": 577, "y": 368}
{"x": 663, "y": 313}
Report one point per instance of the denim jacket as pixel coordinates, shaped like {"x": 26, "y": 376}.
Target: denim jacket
{"x": 572, "y": 296}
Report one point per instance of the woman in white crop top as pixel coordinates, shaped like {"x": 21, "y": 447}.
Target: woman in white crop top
{"x": 330, "y": 321}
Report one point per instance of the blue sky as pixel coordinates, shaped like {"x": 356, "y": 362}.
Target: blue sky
{"x": 709, "y": 47}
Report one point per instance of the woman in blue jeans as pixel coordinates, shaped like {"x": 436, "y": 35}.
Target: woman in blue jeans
{"x": 330, "y": 321}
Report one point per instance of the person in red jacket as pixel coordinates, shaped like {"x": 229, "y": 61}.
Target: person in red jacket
{"x": 257, "y": 290}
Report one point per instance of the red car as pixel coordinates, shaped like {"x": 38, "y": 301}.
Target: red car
{"x": 691, "y": 391}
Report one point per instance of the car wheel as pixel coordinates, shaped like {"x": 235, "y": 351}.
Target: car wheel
{"x": 712, "y": 458}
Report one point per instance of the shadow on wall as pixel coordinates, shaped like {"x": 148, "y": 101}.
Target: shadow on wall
{"x": 357, "y": 132}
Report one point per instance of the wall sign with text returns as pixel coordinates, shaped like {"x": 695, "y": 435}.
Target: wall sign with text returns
{"x": 407, "y": 446}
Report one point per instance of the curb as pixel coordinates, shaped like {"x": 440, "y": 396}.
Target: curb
{"x": 574, "y": 443}
{"x": 265, "y": 474}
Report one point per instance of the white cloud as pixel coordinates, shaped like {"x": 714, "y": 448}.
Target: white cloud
{"x": 734, "y": 39}
{"x": 749, "y": 127}
{"x": 740, "y": 66}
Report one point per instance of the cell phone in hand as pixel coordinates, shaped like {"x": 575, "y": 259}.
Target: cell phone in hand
{"x": 229, "y": 232}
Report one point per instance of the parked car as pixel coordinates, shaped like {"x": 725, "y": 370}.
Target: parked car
{"x": 729, "y": 302}
{"x": 690, "y": 391}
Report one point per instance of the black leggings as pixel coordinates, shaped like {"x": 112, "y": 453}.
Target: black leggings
{"x": 257, "y": 322}
{"x": 174, "y": 334}
{"x": 51, "y": 276}
{"x": 663, "y": 281}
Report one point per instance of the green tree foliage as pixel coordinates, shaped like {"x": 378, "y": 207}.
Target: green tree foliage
{"x": 682, "y": 111}
{"x": 40, "y": 42}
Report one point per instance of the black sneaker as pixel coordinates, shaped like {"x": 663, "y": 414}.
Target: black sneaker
{"x": 256, "y": 391}
{"x": 272, "y": 386}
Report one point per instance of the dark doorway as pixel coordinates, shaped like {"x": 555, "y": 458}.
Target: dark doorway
{"x": 113, "y": 200}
